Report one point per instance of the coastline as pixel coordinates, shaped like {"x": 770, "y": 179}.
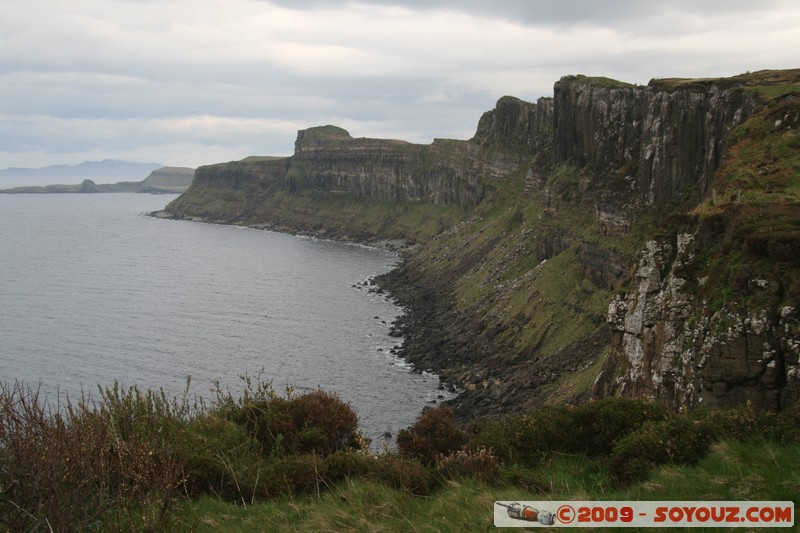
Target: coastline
{"x": 418, "y": 325}
{"x": 400, "y": 246}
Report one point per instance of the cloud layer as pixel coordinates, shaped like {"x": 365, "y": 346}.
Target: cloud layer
{"x": 196, "y": 82}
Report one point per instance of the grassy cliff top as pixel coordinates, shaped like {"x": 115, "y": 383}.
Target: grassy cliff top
{"x": 600, "y": 81}
{"x": 328, "y": 132}
{"x": 771, "y": 83}
{"x": 257, "y": 158}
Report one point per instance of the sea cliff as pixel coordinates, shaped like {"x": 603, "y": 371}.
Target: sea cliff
{"x": 614, "y": 239}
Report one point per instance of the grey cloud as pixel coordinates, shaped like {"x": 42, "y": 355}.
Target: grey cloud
{"x": 561, "y": 12}
{"x": 189, "y": 90}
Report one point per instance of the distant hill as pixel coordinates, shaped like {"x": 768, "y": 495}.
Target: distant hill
{"x": 161, "y": 180}
{"x": 108, "y": 170}
{"x": 171, "y": 179}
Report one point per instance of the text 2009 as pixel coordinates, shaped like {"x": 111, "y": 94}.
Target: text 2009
{"x": 604, "y": 514}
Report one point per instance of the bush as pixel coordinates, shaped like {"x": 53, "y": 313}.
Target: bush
{"x": 295, "y": 474}
{"x": 316, "y": 422}
{"x": 596, "y": 426}
{"x": 404, "y": 473}
{"x": 590, "y": 429}
{"x": 434, "y": 433}
{"x": 324, "y": 423}
{"x": 746, "y": 422}
{"x": 348, "y": 464}
{"x": 524, "y": 439}
{"x": 481, "y": 465}
{"x": 220, "y": 458}
{"x": 678, "y": 440}
{"x": 79, "y": 467}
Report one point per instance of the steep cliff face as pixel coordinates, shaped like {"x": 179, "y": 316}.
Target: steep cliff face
{"x": 339, "y": 186}
{"x": 329, "y": 159}
{"x": 591, "y": 278}
{"x": 679, "y": 351}
{"x": 612, "y": 240}
{"x": 511, "y": 134}
{"x": 649, "y": 146}
{"x": 710, "y": 317}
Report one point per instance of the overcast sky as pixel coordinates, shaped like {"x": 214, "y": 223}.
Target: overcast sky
{"x": 193, "y": 82}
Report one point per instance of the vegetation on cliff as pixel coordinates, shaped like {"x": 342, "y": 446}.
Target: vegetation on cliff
{"x": 134, "y": 460}
{"x": 615, "y": 240}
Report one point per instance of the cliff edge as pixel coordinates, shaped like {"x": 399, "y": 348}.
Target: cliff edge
{"x": 612, "y": 240}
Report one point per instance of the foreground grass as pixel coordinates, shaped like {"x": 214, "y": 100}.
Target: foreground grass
{"x": 755, "y": 470}
{"x": 262, "y": 461}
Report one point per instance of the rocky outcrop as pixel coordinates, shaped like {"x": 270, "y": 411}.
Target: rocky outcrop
{"x": 676, "y": 352}
{"x": 650, "y": 146}
{"x": 576, "y": 247}
{"x": 168, "y": 179}
{"x": 511, "y": 134}
{"x": 328, "y": 159}
{"x": 88, "y": 186}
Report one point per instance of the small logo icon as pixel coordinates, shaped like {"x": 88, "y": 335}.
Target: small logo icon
{"x": 565, "y": 514}
{"x": 518, "y": 511}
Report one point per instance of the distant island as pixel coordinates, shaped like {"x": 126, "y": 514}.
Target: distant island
{"x": 163, "y": 180}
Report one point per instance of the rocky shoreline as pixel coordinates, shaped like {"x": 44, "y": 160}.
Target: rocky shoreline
{"x": 392, "y": 245}
{"x": 443, "y": 340}
{"x": 437, "y": 338}
{"x": 425, "y": 324}
{"x": 435, "y": 341}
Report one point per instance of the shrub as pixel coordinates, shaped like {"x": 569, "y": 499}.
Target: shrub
{"x": 597, "y": 425}
{"x": 294, "y": 474}
{"x": 590, "y": 429}
{"x": 678, "y": 440}
{"x": 479, "y": 464}
{"x": 434, "y": 433}
{"x": 523, "y": 439}
{"x": 79, "y": 467}
{"x": 315, "y": 422}
{"x": 324, "y": 423}
{"x": 746, "y": 422}
{"x": 220, "y": 458}
{"x": 404, "y": 473}
{"x": 348, "y": 464}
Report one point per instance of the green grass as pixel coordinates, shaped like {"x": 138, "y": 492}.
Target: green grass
{"x": 599, "y": 81}
{"x": 142, "y": 461}
{"x": 732, "y": 471}
{"x": 258, "y": 158}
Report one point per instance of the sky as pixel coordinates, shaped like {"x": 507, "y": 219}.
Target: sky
{"x": 195, "y": 82}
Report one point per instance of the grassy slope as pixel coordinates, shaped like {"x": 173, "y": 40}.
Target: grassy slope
{"x": 755, "y": 198}
{"x": 343, "y": 214}
{"x": 732, "y": 471}
{"x": 528, "y": 308}
{"x": 532, "y": 309}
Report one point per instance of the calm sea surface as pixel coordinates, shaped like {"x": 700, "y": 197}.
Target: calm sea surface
{"x": 92, "y": 291}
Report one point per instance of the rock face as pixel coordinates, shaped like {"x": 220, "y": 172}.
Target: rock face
{"x": 590, "y": 254}
{"x": 328, "y": 159}
{"x": 169, "y": 179}
{"x": 680, "y": 355}
{"x": 651, "y": 145}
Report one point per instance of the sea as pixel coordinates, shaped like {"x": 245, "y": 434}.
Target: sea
{"x": 94, "y": 292}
